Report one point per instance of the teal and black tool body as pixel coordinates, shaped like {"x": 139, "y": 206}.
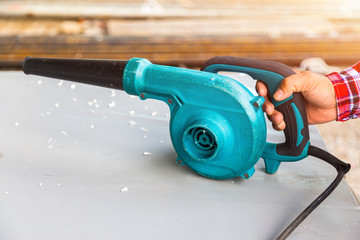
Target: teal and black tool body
{"x": 217, "y": 125}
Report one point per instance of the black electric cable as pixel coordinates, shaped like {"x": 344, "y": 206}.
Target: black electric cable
{"x": 341, "y": 167}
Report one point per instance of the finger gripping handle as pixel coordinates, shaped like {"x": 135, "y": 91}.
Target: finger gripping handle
{"x": 292, "y": 108}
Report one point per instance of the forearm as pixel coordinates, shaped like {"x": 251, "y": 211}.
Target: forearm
{"x": 347, "y": 89}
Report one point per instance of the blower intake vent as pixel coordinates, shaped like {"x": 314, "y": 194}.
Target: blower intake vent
{"x": 200, "y": 143}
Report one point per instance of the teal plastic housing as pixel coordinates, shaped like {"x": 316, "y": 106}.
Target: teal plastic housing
{"x": 217, "y": 125}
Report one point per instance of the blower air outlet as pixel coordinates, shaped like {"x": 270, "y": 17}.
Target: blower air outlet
{"x": 200, "y": 142}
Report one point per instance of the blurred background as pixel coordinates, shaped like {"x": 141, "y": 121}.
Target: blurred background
{"x": 318, "y": 35}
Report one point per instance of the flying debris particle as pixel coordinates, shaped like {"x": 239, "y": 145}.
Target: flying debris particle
{"x": 40, "y": 184}
{"x": 57, "y": 105}
{"x": 147, "y": 153}
{"x": 92, "y": 126}
{"x": 60, "y": 83}
{"x": 39, "y": 82}
{"x": 111, "y": 104}
{"x": 161, "y": 141}
{"x": 74, "y": 99}
{"x": 6, "y": 193}
{"x": 125, "y": 189}
{"x": 16, "y": 124}
{"x": 72, "y": 86}
{"x": 154, "y": 114}
{"x": 144, "y": 129}
{"x": 50, "y": 146}
{"x": 64, "y": 133}
{"x": 132, "y": 123}
{"x": 132, "y": 113}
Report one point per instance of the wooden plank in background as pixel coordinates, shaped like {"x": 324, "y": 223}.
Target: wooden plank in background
{"x": 181, "y": 33}
{"x": 191, "y": 51}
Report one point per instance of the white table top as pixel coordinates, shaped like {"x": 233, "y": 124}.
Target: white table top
{"x": 75, "y": 163}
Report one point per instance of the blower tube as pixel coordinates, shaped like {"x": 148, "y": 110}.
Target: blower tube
{"x": 103, "y": 73}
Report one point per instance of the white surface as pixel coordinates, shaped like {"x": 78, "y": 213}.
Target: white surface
{"x": 81, "y": 163}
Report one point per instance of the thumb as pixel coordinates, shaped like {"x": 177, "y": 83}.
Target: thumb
{"x": 289, "y": 85}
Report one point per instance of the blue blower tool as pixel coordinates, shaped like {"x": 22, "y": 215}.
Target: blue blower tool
{"x": 217, "y": 125}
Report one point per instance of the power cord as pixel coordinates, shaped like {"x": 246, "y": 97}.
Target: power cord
{"x": 341, "y": 168}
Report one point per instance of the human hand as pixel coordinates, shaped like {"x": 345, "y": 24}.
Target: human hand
{"x": 318, "y": 91}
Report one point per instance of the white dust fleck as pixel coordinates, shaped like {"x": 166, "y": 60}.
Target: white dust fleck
{"x": 147, "y": 153}
{"x": 40, "y": 184}
{"x": 125, "y": 189}
{"x": 132, "y": 113}
{"x": 132, "y": 123}
{"x": 111, "y": 104}
{"x": 72, "y": 86}
{"x": 144, "y": 129}
{"x": 64, "y": 133}
{"x": 60, "y": 83}
{"x": 39, "y": 82}
{"x": 154, "y": 114}
{"x": 57, "y": 105}
{"x": 74, "y": 99}
{"x": 16, "y": 124}
{"x": 112, "y": 93}
{"x": 90, "y": 103}
{"x": 92, "y": 126}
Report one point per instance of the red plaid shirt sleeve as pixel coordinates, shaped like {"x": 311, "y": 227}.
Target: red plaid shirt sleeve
{"x": 347, "y": 90}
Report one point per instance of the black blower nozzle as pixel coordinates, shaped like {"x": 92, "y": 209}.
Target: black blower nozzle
{"x": 104, "y": 73}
